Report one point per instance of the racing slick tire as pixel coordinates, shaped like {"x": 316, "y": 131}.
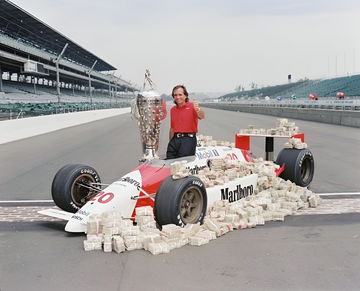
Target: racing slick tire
{"x": 67, "y": 190}
{"x": 180, "y": 201}
{"x": 299, "y": 166}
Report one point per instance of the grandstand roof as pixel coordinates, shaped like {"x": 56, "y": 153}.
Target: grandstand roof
{"x": 16, "y": 22}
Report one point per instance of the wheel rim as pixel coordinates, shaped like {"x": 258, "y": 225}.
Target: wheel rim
{"x": 306, "y": 170}
{"x": 191, "y": 205}
{"x": 79, "y": 193}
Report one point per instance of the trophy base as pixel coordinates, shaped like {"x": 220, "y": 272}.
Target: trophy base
{"x": 150, "y": 154}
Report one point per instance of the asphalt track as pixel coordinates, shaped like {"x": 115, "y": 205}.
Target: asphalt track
{"x": 306, "y": 252}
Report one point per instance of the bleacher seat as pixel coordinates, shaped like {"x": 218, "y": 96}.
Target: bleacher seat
{"x": 350, "y": 85}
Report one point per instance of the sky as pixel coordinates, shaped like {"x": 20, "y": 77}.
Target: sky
{"x": 212, "y": 45}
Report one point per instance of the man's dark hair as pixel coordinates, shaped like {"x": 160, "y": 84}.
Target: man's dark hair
{"x": 184, "y": 89}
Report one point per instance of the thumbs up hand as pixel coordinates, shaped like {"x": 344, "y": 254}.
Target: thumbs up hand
{"x": 199, "y": 112}
{"x": 196, "y": 106}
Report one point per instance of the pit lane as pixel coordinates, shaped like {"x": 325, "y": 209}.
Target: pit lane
{"x": 307, "y": 252}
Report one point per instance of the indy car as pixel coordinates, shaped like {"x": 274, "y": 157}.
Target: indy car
{"x": 77, "y": 189}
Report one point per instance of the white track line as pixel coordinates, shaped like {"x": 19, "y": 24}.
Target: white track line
{"x": 47, "y": 201}
{"x": 336, "y": 194}
{"x": 26, "y": 201}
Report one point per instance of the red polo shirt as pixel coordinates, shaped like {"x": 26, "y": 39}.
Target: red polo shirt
{"x": 184, "y": 119}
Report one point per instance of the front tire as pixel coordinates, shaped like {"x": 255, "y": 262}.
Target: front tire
{"x": 299, "y": 166}
{"x": 180, "y": 201}
{"x": 68, "y": 188}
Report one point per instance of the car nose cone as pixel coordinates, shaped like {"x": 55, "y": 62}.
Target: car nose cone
{"x": 75, "y": 226}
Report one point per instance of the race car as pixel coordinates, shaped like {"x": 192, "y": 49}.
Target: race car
{"x": 78, "y": 191}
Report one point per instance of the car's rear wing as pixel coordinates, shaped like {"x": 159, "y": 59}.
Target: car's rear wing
{"x": 242, "y": 141}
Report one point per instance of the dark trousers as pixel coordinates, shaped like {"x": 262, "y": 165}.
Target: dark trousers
{"x": 181, "y": 147}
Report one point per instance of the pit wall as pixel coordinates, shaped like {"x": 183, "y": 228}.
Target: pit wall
{"x": 338, "y": 117}
{"x": 16, "y": 129}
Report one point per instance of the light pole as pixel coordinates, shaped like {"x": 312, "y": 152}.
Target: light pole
{"x": 57, "y": 60}
{"x": 89, "y": 72}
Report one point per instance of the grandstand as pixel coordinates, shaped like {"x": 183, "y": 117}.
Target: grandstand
{"x": 324, "y": 88}
{"x": 40, "y": 65}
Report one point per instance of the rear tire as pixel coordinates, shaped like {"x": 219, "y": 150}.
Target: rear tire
{"x": 67, "y": 190}
{"x": 181, "y": 201}
{"x": 299, "y": 166}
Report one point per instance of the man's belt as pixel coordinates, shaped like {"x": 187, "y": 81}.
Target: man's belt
{"x": 182, "y": 134}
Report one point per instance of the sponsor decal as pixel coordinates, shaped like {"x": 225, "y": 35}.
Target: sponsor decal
{"x": 180, "y": 222}
{"x": 90, "y": 172}
{"x": 195, "y": 170}
{"x": 198, "y": 183}
{"x": 131, "y": 181}
{"x": 207, "y": 154}
{"x": 237, "y": 193}
{"x": 83, "y": 212}
{"x": 76, "y": 217}
{"x": 232, "y": 156}
{"x": 74, "y": 205}
{"x": 87, "y": 171}
{"x": 307, "y": 154}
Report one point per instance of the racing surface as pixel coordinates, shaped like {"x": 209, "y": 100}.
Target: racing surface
{"x": 318, "y": 251}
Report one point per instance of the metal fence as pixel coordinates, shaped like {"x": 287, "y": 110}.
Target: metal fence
{"x": 23, "y": 110}
{"x": 331, "y": 104}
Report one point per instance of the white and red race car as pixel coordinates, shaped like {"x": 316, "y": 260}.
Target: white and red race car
{"x": 78, "y": 191}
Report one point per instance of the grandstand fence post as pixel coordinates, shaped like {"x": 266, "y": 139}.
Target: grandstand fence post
{"x": 57, "y": 81}
{"x": 90, "y": 95}
{"x": 34, "y": 82}
{"x": 1, "y": 84}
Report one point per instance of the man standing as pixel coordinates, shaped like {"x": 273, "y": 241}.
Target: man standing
{"x": 184, "y": 118}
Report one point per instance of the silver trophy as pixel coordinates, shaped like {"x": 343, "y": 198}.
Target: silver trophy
{"x": 147, "y": 109}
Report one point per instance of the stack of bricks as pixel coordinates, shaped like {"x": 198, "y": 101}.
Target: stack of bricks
{"x": 208, "y": 141}
{"x": 178, "y": 170}
{"x": 173, "y": 235}
{"x": 295, "y": 143}
{"x": 277, "y": 199}
{"x": 224, "y": 170}
{"x": 273, "y": 199}
{"x": 283, "y": 128}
